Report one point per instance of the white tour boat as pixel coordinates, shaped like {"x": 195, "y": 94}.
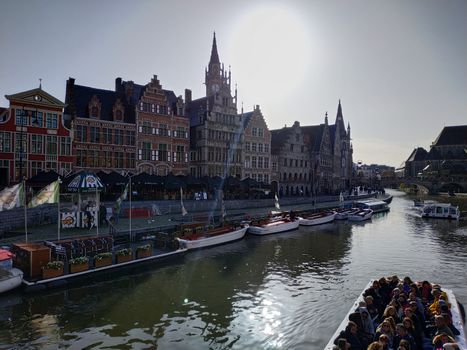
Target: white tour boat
{"x": 317, "y": 218}
{"x": 213, "y": 236}
{"x": 375, "y": 205}
{"x": 457, "y": 319}
{"x": 10, "y": 277}
{"x": 441, "y": 211}
{"x": 275, "y": 224}
{"x": 362, "y": 215}
{"x": 343, "y": 214}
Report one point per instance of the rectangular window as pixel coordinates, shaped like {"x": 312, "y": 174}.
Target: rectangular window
{"x": 65, "y": 168}
{"x": 80, "y": 158}
{"x": 291, "y": 147}
{"x": 65, "y": 146}
{"x": 260, "y": 162}
{"x": 118, "y": 137}
{"x": 52, "y": 121}
{"x": 147, "y": 128}
{"x": 163, "y": 130}
{"x": 21, "y": 144}
{"x": 5, "y": 141}
{"x": 81, "y": 133}
{"x": 247, "y": 146}
{"x": 36, "y": 167}
{"x": 285, "y": 161}
{"x": 274, "y": 166}
{"x": 260, "y": 132}
{"x": 260, "y": 177}
{"x": 181, "y": 132}
{"x": 254, "y": 131}
{"x": 107, "y": 136}
{"x": 146, "y": 154}
{"x": 51, "y": 146}
{"x": 119, "y": 156}
{"x": 247, "y": 162}
{"x": 260, "y": 147}
{"x": 163, "y": 156}
{"x": 95, "y": 134}
{"x": 180, "y": 155}
{"x": 253, "y": 146}
{"x": 266, "y": 163}
{"x": 22, "y": 117}
{"x": 130, "y": 138}
{"x": 37, "y": 119}
{"x": 266, "y": 147}
{"x": 266, "y": 178}
{"x": 36, "y": 144}
{"x": 253, "y": 162}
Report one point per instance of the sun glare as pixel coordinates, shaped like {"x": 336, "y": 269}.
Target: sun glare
{"x": 269, "y": 52}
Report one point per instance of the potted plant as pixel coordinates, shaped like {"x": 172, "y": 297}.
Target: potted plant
{"x": 102, "y": 259}
{"x": 79, "y": 264}
{"x": 52, "y": 269}
{"x": 144, "y": 251}
{"x": 123, "y": 255}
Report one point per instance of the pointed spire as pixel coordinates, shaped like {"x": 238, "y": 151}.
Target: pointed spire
{"x": 339, "y": 111}
{"x": 214, "y": 54}
{"x": 40, "y": 83}
{"x": 326, "y": 118}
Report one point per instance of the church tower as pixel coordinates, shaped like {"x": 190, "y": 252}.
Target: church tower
{"x": 217, "y": 80}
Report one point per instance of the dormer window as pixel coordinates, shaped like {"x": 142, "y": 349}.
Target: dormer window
{"x": 118, "y": 111}
{"x": 94, "y": 107}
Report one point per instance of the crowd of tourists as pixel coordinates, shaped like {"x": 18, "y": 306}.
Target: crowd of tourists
{"x": 400, "y": 315}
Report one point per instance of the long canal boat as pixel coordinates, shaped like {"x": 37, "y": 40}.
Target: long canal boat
{"x": 458, "y": 319}
{"x": 316, "y": 218}
{"x": 211, "y": 236}
{"x": 275, "y": 224}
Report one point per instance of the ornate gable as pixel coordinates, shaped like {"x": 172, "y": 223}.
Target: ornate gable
{"x": 94, "y": 107}
{"x": 37, "y": 97}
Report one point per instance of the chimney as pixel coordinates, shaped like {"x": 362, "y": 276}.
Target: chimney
{"x": 118, "y": 84}
{"x": 187, "y": 95}
{"x": 69, "y": 97}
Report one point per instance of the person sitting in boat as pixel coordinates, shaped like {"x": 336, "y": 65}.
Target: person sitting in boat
{"x": 385, "y": 329}
{"x": 420, "y": 309}
{"x": 441, "y": 326}
{"x": 350, "y": 334}
{"x": 425, "y": 292}
{"x": 371, "y": 307}
{"x": 406, "y": 284}
{"x": 391, "y": 311}
{"x": 342, "y": 344}
{"x": 368, "y": 326}
{"x": 404, "y": 345}
{"x": 402, "y": 334}
{"x": 418, "y": 328}
{"x": 376, "y": 345}
{"x": 440, "y": 340}
{"x": 450, "y": 346}
{"x": 417, "y": 337}
{"x": 448, "y": 317}
{"x": 433, "y": 308}
{"x": 384, "y": 341}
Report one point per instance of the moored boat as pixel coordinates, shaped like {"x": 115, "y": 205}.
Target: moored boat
{"x": 458, "y": 319}
{"x": 362, "y": 215}
{"x": 317, "y": 218}
{"x": 10, "y": 277}
{"x": 375, "y": 205}
{"x": 343, "y": 214}
{"x": 441, "y": 211}
{"x": 275, "y": 224}
{"x": 213, "y": 236}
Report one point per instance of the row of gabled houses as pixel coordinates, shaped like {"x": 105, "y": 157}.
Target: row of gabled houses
{"x": 446, "y": 157}
{"x": 146, "y": 128}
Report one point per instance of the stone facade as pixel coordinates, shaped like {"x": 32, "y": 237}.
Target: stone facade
{"x": 104, "y": 129}
{"x": 33, "y": 137}
{"x": 162, "y": 137}
{"x": 256, "y": 147}
{"x": 216, "y": 130}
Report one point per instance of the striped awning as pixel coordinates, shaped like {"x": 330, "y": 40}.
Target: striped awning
{"x": 85, "y": 182}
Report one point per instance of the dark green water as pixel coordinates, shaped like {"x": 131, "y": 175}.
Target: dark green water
{"x": 285, "y": 291}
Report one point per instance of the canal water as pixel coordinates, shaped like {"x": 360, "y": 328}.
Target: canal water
{"x": 285, "y": 291}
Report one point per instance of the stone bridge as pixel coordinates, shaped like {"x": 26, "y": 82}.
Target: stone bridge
{"x": 435, "y": 186}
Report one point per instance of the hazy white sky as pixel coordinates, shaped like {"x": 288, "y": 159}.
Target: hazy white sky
{"x": 399, "y": 67}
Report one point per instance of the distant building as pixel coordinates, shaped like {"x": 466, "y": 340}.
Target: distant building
{"x": 256, "y": 146}
{"x": 104, "y": 128}
{"x": 33, "y": 136}
{"x": 216, "y": 130}
{"x": 447, "y": 156}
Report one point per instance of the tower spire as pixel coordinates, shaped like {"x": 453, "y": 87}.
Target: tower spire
{"x": 214, "y": 54}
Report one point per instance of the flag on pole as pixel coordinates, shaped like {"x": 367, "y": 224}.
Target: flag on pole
{"x": 278, "y": 207}
{"x": 184, "y": 212}
{"x": 49, "y": 194}
{"x": 12, "y": 197}
{"x": 118, "y": 202}
{"x": 224, "y": 213}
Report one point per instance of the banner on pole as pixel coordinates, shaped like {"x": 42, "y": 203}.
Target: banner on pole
{"x": 49, "y": 194}
{"x": 12, "y": 197}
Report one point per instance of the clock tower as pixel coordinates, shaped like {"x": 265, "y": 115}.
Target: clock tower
{"x": 217, "y": 80}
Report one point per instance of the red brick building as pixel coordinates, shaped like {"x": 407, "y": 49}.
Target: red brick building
{"x": 33, "y": 136}
{"x": 162, "y": 137}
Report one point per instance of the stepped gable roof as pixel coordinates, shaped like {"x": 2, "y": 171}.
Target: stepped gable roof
{"x": 315, "y": 136}
{"x": 82, "y": 95}
{"x": 196, "y": 106}
{"x": 278, "y": 138}
{"x": 246, "y": 117}
{"x": 418, "y": 154}
{"x": 452, "y": 135}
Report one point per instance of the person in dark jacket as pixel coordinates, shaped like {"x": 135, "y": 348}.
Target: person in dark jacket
{"x": 402, "y": 334}
{"x": 350, "y": 334}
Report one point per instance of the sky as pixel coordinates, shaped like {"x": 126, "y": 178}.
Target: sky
{"x": 399, "y": 67}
